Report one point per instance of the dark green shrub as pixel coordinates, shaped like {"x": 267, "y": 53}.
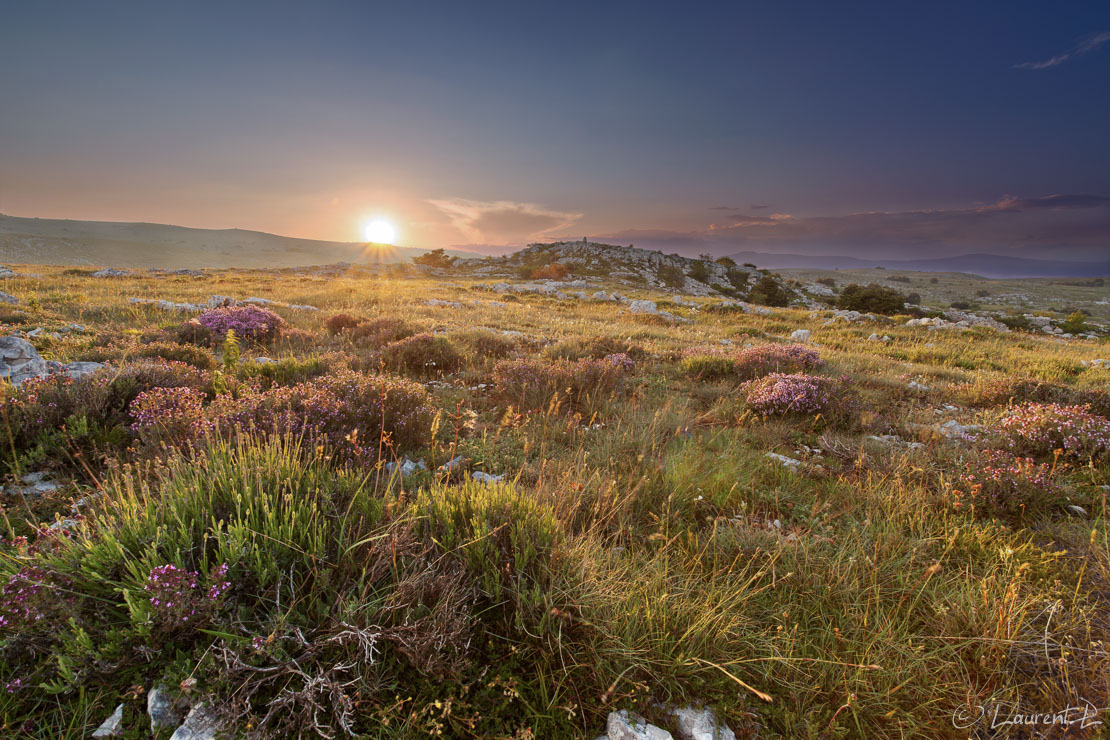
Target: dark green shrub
{"x": 871, "y": 298}
{"x": 380, "y": 331}
{"x": 671, "y": 276}
{"x": 769, "y": 292}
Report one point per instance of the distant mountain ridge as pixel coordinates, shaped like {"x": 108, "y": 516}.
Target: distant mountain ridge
{"x": 986, "y": 265}
{"x": 150, "y": 245}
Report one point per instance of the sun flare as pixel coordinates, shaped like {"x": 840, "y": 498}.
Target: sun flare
{"x": 379, "y": 231}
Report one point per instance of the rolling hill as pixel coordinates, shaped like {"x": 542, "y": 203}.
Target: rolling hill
{"x": 147, "y": 245}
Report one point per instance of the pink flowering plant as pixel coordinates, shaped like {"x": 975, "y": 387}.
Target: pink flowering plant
{"x": 359, "y": 417}
{"x": 179, "y": 598}
{"x": 248, "y": 322}
{"x": 168, "y": 416}
{"x": 1040, "y": 429}
{"x": 997, "y": 483}
{"x": 717, "y": 362}
{"x": 779, "y": 394}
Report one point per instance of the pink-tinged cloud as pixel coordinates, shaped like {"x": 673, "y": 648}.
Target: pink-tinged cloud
{"x": 1084, "y": 46}
{"x": 502, "y": 222}
{"x": 1064, "y": 226}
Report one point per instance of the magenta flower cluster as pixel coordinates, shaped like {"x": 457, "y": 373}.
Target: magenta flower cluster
{"x": 779, "y": 394}
{"x": 248, "y": 322}
{"x": 358, "y": 416}
{"x": 27, "y": 598}
{"x": 1001, "y": 483}
{"x": 177, "y": 597}
{"x": 1043, "y": 428}
{"x": 169, "y": 414}
{"x": 754, "y": 362}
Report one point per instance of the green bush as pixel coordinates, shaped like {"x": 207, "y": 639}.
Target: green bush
{"x": 871, "y": 298}
{"x": 671, "y": 276}
{"x": 769, "y": 292}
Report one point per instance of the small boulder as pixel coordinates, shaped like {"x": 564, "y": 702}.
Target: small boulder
{"x": 201, "y": 724}
{"x": 800, "y": 335}
{"x": 164, "y": 710}
{"x": 19, "y": 360}
{"x": 625, "y": 726}
{"x": 700, "y": 724}
{"x": 111, "y": 727}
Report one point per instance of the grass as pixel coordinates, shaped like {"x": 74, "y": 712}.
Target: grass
{"x": 641, "y": 548}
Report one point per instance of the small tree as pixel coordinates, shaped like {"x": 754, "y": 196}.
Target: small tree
{"x": 726, "y": 261}
{"x": 434, "y": 258}
{"x": 699, "y": 271}
{"x": 871, "y": 298}
{"x": 769, "y": 292}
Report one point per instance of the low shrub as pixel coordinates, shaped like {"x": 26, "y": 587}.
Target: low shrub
{"x": 581, "y": 384}
{"x": 485, "y": 343}
{"x": 248, "y": 322}
{"x": 716, "y": 362}
{"x": 1040, "y": 429}
{"x": 671, "y": 275}
{"x": 1005, "y": 391}
{"x": 769, "y": 292}
{"x": 423, "y": 355}
{"x": 754, "y": 362}
{"x": 341, "y": 322}
{"x": 381, "y": 331}
{"x": 871, "y": 298}
{"x": 999, "y": 484}
{"x": 358, "y": 417}
{"x": 577, "y": 348}
{"x": 781, "y": 394}
{"x": 168, "y": 416}
{"x": 287, "y": 370}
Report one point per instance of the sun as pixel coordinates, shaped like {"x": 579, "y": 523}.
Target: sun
{"x": 379, "y": 231}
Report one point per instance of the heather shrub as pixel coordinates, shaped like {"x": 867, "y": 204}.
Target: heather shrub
{"x": 754, "y": 362}
{"x": 581, "y": 384}
{"x": 423, "y": 355}
{"x": 194, "y": 332}
{"x": 248, "y": 322}
{"x": 781, "y": 394}
{"x": 186, "y": 353}
{"x": 999, "y": 484}
{"x": 485, "y": 343}
{"x": 381, "y": 331}
{"x": 341, "y": 322}
{"x": 1039, "y": 429}
{"x": 101, "y": 399}
{"x": 359, "y": 417}
{"x": 1005, "y": 391}
{"x": 168, "y": 416}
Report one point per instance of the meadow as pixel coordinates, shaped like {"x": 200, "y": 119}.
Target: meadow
{"x": 431, "y": 509}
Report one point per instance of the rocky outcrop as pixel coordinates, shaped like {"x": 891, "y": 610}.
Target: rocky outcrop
{"x": 19, "y": 360}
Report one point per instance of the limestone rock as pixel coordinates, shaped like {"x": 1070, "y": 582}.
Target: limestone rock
{"x": 112, "y": 726}
{"x": 625, "y": 726}
{"x": 19, "y": 360}
{"x": 700, "y": 724}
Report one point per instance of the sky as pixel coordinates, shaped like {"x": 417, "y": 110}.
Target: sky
{"x": 889, "y": 129}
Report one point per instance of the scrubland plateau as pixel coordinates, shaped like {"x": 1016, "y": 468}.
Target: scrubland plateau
{"x": 408, "y": 503}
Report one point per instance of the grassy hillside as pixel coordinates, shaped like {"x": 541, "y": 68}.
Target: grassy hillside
{"x": 435, "y": 508}
{"x": 145, "y": 245}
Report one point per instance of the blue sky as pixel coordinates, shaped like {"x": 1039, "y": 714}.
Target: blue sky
{"x": 858, "y": 128}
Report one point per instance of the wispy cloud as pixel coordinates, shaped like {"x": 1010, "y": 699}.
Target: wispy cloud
{"x": 502, "y": 222}
{"x": 1085, "y": 46}
{"x": 1070, "y": 226}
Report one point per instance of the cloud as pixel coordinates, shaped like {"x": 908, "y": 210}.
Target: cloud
{"x": 503, "y": 222}
{"x": 1064, "y": 226}
{"x": 1085, "y": 46}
